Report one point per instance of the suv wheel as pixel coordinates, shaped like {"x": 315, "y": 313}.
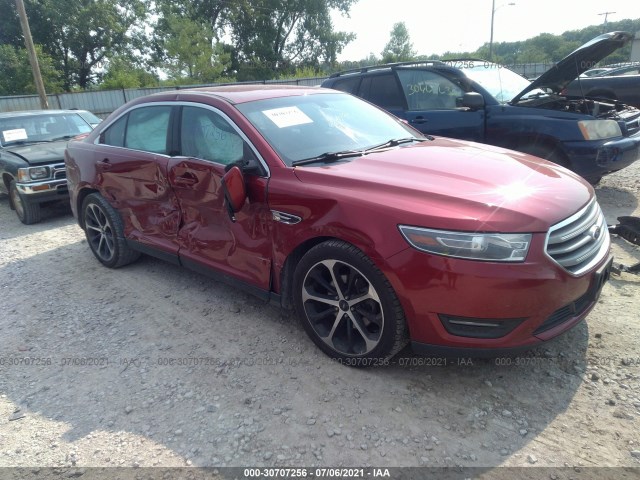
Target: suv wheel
{"x": 347, "y": 306}
{"x": 105, "y": 233}
{"x": 28, "y": 212}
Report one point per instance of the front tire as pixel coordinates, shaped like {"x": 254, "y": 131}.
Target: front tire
{"x": 105, "y": 233}
{"x": 28, "y": 212}
{"x": 347, "y": 306}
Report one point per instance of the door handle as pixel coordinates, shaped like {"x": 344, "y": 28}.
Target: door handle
{"x": 186, "y": 179}
{"x": 418, "y": 120}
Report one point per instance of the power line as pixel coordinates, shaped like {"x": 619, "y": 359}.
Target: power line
{"x": 604, "y": 24}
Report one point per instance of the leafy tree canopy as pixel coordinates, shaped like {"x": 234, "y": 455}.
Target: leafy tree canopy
{"x": 79, "y": 35}
{"x": 399, "y": 48}
{"x": 17, "y": 77}
{"x": 543, "y": 48}
{"x": 263, "y": 38}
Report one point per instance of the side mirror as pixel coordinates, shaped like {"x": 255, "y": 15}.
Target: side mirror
{"x": 473, "y": 101}
{"x": 235, "y": 193}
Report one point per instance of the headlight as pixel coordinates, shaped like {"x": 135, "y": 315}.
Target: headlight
{"x": 33, "y": 173}
{"x": 599, "y": 129}
{"x": 492, "y": 247}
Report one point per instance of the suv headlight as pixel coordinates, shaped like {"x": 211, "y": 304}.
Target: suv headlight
{"x": 491, "y": 247}
{"x": 599, "y": 129}
{"x": 33, "y": 173}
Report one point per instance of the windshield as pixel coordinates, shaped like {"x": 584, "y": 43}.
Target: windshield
{"x": 308, "y": 126}
{"x": 25, "y": 129}
{"x": 499, "y": 81}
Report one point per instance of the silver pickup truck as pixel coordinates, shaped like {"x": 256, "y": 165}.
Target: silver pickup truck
{"x": 32, "y": 144}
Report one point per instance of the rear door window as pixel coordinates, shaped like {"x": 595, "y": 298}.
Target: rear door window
{"x": 147, "y": 129}
{"x": 144, "y": 128}
{"x": 383, "y": 90}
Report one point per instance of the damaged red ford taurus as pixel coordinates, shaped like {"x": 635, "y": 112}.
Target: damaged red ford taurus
{"x": 374, "y": 233}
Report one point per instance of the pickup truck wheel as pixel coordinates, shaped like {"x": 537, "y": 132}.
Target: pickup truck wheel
{"x": 105, "y": 233}
{"x": 347, "y": 306}
{"x": 28, "y": 212}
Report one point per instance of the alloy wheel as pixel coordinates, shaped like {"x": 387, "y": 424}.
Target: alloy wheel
{"x": 99, "y": 232}
{"x": 343, "y": 307}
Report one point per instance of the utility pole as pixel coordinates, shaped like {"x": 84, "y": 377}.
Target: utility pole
{"x": 33, "y": 58}
{"x": 604, "y": 25}
{"x": 493, "y": 14}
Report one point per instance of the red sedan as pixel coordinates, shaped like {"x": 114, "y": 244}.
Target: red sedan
{"x": 319, "y": 201}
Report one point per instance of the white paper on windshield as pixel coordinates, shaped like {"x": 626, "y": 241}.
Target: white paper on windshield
{"x": 15, "y": 134}
{"x": 287, "y": 116}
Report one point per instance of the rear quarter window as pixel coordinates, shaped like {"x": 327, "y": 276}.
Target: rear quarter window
{"x": 349, "y": 85}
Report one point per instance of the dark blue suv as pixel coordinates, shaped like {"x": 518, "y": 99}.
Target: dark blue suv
{"x": 485, "y": 102}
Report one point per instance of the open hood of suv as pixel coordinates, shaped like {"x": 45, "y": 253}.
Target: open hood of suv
{"x": 577, "y": 62}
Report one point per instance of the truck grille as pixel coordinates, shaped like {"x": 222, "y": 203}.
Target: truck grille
{"x": 579, "y": 242}
{"x": 58, "y": 171}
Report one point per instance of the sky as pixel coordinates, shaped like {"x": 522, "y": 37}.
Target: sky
{"x": 464, "y": 25}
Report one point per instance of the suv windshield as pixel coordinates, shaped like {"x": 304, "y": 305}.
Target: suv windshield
{"x": 25, "y": 129}
{"x": 499, "y": 81}
{"x": 310, "y": 126}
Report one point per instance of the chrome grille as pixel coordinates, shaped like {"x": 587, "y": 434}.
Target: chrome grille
{"x": 58, "y": 171}
{"x": 579, "y": 242}
{"x": 633, "y": 126}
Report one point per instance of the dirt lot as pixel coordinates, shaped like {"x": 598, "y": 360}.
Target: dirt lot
{"x": 152, "y": 365}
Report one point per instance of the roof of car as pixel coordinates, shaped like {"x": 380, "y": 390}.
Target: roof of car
{"x": 23, "y": 113}
{"x": 247, "y": 93}
{"x": 420, "y": 63}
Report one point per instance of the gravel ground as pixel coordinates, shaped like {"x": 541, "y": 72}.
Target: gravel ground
{"x": 153, "y": 365}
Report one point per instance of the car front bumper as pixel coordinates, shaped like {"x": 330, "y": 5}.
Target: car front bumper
{"x": 45, "y": 190}
{"x": 594, "y": 159}
{"x": 479, "y": 308}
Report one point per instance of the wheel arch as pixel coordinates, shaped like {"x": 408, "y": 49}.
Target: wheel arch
{"x": 82, "y": 194}
{"x": 289, "y": 267}
{"x": 6, "y": 180}
{"x": 537, "y": 144}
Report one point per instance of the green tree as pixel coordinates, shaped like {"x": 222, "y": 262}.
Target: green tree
{"x": 265, "y": 38}
{"x": 190, "y": 53}
{"x": 17, "y": 77}
{"x": 78, "y": 34}
{"x": 399, "y": 48}
{"x": 125, "y": 73}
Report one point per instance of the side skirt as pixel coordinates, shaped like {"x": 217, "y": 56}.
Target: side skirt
{"x": 265, "y": 295}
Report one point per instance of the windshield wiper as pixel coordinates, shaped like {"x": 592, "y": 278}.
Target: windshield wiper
{"x": 329, "y": 157}
{"x": 335, "y": 156}
{"x": 63, "y": 137}
{"x": 394, "y": 142}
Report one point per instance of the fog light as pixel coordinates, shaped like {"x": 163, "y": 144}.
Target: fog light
{"x": 479, "y": 327}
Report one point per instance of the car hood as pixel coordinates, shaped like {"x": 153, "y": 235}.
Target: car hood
{"x": 578, "y": 62}
{"x": 39, "y": 153}
{"x": 457, "y": 185}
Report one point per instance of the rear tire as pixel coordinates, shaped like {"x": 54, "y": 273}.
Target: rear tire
{"x": 28, "y": 212}
{"x": 105, "y": 233}
{"x": 347, "y": 306}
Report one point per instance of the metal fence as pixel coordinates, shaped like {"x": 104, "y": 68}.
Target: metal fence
{"x": 103, "y": 102}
